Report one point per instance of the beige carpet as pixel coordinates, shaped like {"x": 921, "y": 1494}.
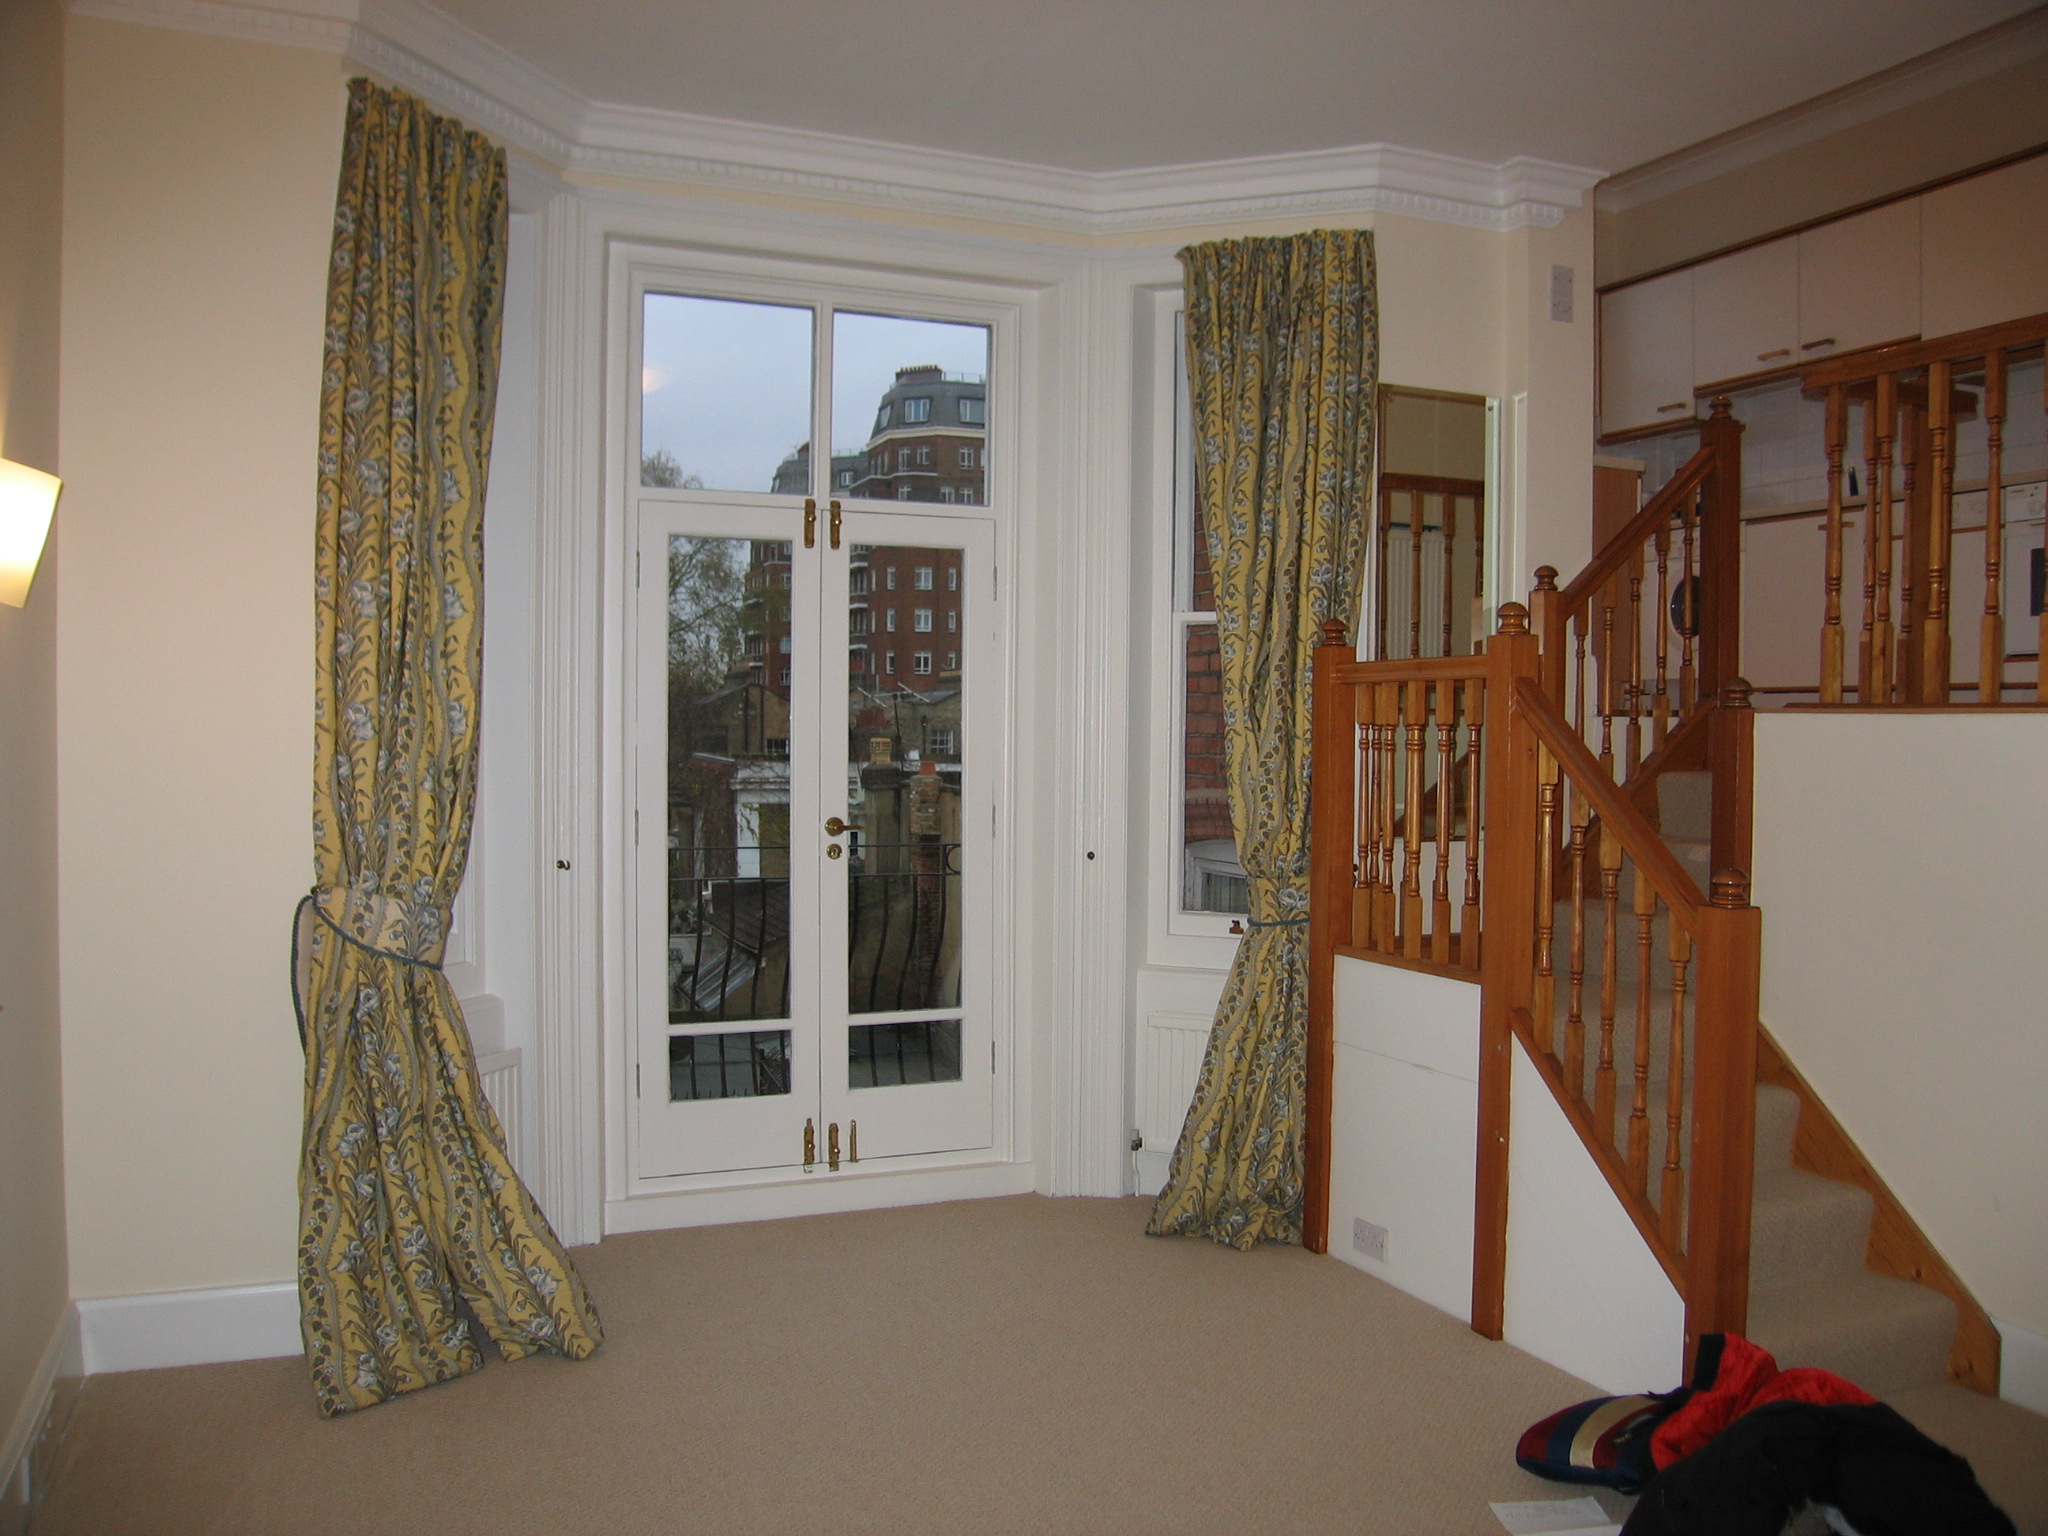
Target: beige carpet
{"x": 1020, "y": 1365}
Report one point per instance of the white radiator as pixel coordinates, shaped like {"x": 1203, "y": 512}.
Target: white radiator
{"x": 499, "y": 1072}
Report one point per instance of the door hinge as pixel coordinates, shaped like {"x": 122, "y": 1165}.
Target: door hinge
{"x": 1137, "y": 1141}
{"x": 636, "y": 826}
{"x": 636, "y": 1079}
{"x": 991, "y": 1055}
{"x": 636, "y": 567}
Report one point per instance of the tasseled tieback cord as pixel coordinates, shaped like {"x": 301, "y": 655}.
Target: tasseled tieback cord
{"x": 312, "y": 899}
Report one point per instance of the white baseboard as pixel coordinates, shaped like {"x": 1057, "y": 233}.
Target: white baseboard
{"x": 205, "y": 1327}
{"x": 2022, "y": 1365}
{"x": 815, "y": 1197}
{"x": 61, "y": 1366}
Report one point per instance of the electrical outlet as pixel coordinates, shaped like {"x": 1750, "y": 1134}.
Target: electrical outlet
{"x": 1561, "y": 294}
{"x": 1368, "y": 1239}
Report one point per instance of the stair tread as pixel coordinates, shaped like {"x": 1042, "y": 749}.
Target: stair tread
{"x": 1804, "y": 1228}
{"x": 1883, "y": 1334}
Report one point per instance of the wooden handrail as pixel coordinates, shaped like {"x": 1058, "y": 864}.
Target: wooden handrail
{"x": 1620, "y": 549}
{"x": 1639, "y": 840}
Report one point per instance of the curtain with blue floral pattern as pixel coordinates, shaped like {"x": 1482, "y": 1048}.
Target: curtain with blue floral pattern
{"x": 409, "y": 1207}
{"x": 1283, "y": 366}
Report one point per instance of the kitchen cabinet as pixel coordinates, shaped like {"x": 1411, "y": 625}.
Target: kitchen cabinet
{"x": 1859, "y": 281}
{"x": 1646, "y": 371}
{"x": 1745, "y": 312}
{"x": 1984, "y": 245}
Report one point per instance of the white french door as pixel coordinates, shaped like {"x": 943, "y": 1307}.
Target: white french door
{"x": 815, "y": 718}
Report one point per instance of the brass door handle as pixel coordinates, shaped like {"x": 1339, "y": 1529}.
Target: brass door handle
{"x": 834, "y": 827}
{"x": 835, "y": 525}
{"x": 1825, "y": 341}
{"x": 810, "y": 523}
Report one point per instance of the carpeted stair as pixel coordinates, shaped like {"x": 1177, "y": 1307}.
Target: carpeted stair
{"x": 1812, "y": 1301}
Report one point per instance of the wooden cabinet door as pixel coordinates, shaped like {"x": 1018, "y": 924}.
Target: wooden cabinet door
{"x": 1646, "y": 353}
{"x": 1984, "y": 245}
{"x": 1859, "y": 281}
{"x": 1745, "y": 312}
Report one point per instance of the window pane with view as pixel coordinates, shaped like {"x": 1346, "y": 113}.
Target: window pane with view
{"x": 905, "y": 767}
{"x": 728, "y": 805}
{"x": 1211, "y": 879}
{"x": 725, "y": 395}
{"x": 909, "y": 409}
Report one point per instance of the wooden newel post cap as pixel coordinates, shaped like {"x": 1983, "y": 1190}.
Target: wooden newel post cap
{"x": 1514, "y": 619}
{"x": 1546, "y": 578}
{"x": 1722, "y": 408}
{"x": 1731, "y": 889}
{"x": 1334, "y": 632}
{"x": 1735, "y": 695}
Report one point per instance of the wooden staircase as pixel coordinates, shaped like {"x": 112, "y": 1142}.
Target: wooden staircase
{"x": 1565, "y": 818}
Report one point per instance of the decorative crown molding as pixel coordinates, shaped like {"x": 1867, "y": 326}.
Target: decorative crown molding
{"x": 1961, "y": 63}
{"x": 415, "y": 45}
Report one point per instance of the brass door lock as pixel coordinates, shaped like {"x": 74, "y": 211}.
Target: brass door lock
{"x": 832, "y": 1147}
{"x": 810, "y": 1146}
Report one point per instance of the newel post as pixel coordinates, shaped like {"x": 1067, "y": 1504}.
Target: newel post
{"x": 1546, "y": 622}
{"x": 1333, "y": 767}
{"x": 1508, "y": 954}
{"x": 1720, "y": 615}
{"x": 1731, "y": 758}
{"x": 1724, "y": 1112}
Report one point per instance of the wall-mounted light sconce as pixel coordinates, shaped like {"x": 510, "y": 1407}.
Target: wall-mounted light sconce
{"x": 28, "y": 498}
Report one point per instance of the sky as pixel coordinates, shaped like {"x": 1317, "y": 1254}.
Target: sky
{"x": 726, "y": 385}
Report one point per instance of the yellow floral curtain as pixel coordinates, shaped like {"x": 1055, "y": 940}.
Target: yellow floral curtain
{"x": 408, "y": 1206}
{"x": 1283, "y": 362}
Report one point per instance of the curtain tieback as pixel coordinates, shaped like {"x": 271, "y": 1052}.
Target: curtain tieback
{"x": 381, "y": 925}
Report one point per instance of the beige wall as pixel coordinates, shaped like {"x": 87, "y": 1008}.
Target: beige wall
{"x": 1937, "y": 137}
{"x": 198, "y": 196}
{"x": 33, "y": 1285}
{"x": 1898, "y": 864}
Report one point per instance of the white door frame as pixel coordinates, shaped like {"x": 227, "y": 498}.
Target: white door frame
{"x": 1063, "y": 555}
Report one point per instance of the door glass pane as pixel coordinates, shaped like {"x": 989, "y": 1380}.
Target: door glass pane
{"x": 912, "y": 1051}
{"x": 909, "y": 409}
{"x": 725, "y": 395}
{"x": 753, "y": 1064}
{"x": 905, "y": 750}
{"x": 728, "y": 779}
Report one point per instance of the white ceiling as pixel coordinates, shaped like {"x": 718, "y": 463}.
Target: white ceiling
{"x": 1104, "y": 85}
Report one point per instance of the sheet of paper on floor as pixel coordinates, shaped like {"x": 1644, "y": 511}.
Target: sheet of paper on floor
{"x": 1556, "y": 1517}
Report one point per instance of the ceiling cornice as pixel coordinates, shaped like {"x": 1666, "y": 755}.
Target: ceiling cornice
{"x": 1961, "y": 63}
{"x": 417, "y": 46}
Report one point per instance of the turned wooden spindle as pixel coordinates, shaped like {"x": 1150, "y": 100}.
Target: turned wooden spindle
{"x": 1543, "y": 1000}
{"x": 1417, "y": 729}
{"x": 1609, "y": 681}
{"x": 1365, "y": 860}
{"x": 1831, "y": 643}
{"x": 1450, "y": 588}
{"x": 1415, "y": 514}
{"x": 1991, "y": 629}
{"x": 1610, "y": 956}
{"x": 1934, "y": 639}
{"x": 1575, "y": 999}
{"x": 1660, "y": 707}
{"x": 1912, "y": 553}
{"x": 1440, "y": 887}
{"x": 1386, "y": 723}
{"x": 1688, "y": 663}
{"x": 1468, "y": 920}
{"x": 1635, "y": 670}
{"x": 1671, "y": 1207}
{"x": 1884, "y": 415}
{"x": 1639, "y": 1104}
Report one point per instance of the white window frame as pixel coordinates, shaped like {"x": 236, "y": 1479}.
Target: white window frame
{"x": 921, "y": 620}
{"x": 921, "y": 578}
{"x": 921, "y": 663}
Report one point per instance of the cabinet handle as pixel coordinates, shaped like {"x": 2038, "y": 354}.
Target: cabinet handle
{"x": 1676, "y": 405}
{"x": 1825, "y": 341}
{"x": 1765, "y": 357}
